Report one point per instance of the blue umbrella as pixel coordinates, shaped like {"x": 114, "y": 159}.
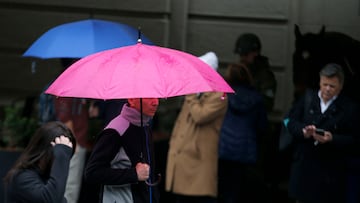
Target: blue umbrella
{"x": 82, "y": 38}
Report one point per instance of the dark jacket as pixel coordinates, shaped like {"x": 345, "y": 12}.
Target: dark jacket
{"x": 244, "y": 119}
{"x": 318, "y": 171}
{"x": 112, "y": 163}
{"x": 30, "y": 185}
{"x": 265, "y": 81}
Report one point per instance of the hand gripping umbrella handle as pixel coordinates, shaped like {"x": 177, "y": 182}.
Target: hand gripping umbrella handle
{"x": 149, "y": 183}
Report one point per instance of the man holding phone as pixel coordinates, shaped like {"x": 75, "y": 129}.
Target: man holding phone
{"x": 320, "y": 131}
{"x": 324, "y": 136}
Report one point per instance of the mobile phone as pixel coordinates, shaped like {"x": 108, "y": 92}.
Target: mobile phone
{"x": 320, "y": 131}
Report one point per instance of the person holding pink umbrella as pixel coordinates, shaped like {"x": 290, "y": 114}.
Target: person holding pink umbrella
{"x": 137, "y": 71}
{"x": 123, "y": 154}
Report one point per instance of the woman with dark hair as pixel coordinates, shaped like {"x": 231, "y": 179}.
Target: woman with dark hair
{"x": 244, "y": 121}
{"x": 40, "y": 174}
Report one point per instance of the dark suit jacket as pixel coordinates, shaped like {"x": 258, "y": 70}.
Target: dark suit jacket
{"x": 318, "y": 172}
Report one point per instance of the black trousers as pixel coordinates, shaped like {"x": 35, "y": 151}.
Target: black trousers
{"x": 240, "y": 183}
{"x": 194, "y": 199}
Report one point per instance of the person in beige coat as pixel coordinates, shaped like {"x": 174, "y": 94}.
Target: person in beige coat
{"x": 191, "y": 173}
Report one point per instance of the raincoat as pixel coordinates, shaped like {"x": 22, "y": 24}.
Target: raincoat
{"x": 193, "y": 151}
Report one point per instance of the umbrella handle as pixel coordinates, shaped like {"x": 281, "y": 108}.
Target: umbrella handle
{"x": 155, "y": 183}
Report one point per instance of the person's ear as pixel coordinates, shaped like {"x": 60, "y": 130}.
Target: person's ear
{"x": 131, "y": 102}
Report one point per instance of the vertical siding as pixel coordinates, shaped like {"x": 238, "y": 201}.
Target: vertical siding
{"x": 23, "y": 21}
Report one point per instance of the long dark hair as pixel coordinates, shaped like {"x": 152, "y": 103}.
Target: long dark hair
{"x": 39, "y": 151}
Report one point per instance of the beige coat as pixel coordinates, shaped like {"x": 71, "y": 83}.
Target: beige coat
{"x": 193, "y": 151}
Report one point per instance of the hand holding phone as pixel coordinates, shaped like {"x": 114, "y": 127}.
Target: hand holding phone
{"x": 320, "y": 131}
{"x": 324, "y": 139}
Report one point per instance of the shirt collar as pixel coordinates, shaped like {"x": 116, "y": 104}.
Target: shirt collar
{"x": 324, "y": 106}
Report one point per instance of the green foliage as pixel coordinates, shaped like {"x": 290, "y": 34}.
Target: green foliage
{"x": 16, "y": 130}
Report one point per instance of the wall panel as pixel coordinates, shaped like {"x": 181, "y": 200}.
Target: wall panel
{"x": 17, "y": 80}
{"x": 125, "y": 5}
{"x": 153, "y": 28}
{"x": 27, "y": 26}
{"x": 270, "y": 9}
{"x": 221, "y": 37}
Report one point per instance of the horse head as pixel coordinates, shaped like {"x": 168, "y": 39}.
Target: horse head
{"x": 314, "y": 50}
{"x": 307, "y": 60}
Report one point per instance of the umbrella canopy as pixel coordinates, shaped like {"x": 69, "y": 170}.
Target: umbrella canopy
{"x": 82, "y": 38}
{"x": 137, "y": 71}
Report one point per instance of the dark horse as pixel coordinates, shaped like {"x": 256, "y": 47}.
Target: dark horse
{"x": 313, "y": 51}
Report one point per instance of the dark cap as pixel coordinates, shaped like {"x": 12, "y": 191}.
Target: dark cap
{"x": 246, "y": 43}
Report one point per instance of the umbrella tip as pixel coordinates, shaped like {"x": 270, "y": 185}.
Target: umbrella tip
{"x": 139, "y": 35}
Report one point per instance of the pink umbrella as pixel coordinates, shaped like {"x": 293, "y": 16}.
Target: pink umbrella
{"x": 137, "y": 71}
